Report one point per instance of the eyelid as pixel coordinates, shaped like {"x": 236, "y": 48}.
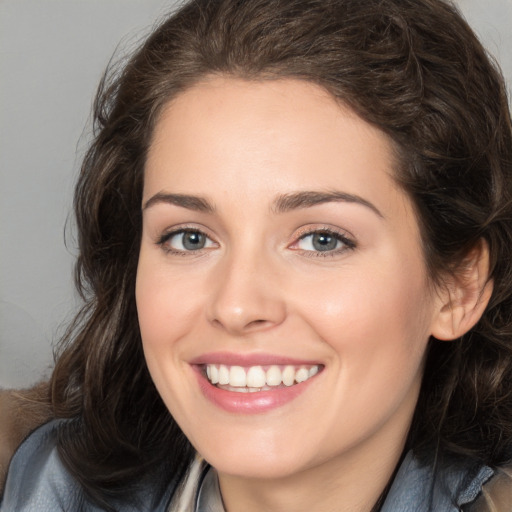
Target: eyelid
{"x": 168, "y": 233}
{"x": 176, "y": 228}
{"x": 347, "y": 239}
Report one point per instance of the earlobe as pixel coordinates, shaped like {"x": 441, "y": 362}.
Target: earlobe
{"x": 463, "y": 297}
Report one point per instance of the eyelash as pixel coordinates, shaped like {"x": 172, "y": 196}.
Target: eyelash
{"x": 166, "y": 237}
{"x": 347, "y": 243}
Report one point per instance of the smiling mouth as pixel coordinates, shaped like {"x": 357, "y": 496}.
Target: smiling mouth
{"x": 253, "y": 379}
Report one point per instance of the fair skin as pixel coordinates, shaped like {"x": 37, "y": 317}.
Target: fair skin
{"x": 234, "y": 271}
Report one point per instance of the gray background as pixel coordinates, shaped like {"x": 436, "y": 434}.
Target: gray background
{"x": 52, "y": 54}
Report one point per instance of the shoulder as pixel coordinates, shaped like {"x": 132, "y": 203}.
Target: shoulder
{"x": 21, "y": 411}
{"x": 445, "y": 483}
{"x": 37, "y": 479}
{"x": 496, "y": 495}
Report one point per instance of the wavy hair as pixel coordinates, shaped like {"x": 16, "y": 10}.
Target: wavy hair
{"x": 414, "y": 69}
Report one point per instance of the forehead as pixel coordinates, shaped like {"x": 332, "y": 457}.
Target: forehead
{"x": 268, "y": 137}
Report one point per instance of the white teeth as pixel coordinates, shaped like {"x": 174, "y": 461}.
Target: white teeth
{"x": 288, "y": 375}
{"x": 213, "y": 373}
{"x": 302, "y": 375}
{"x": 223, "y": 374}
{"x": 255, "y": 378}
{"x": 237, "y": 377}
{"x": 274, "y": 376}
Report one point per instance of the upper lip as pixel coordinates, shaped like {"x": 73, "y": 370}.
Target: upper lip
{"x": 240, "y": 359}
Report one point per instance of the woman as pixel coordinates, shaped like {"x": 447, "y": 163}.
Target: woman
{"x": 294, "y": 228}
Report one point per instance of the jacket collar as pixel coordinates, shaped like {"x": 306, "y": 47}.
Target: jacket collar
{"x": 418, "y": 487}
{"x": 435, "y": 486}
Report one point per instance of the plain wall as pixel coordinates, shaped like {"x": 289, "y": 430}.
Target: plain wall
{"x": 52, "y": 54}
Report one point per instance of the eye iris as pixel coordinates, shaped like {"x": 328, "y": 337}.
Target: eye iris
{"x": 192, "y": 240}
{"x": 324, "y": 242}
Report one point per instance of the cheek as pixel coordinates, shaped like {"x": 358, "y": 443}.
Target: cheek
{"x": 377, "y": 330}
{"x": 165, "y": 311}
{"x": 381, "y": 315}
{"x": 154, "y": 313}
{"x": 166, "y": 316}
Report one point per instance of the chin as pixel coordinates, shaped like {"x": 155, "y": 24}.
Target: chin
{"x": 256, "y": 462}
{"x": 257, "y": 468}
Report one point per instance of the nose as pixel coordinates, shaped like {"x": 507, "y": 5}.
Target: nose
{"x": 246, "y": 296}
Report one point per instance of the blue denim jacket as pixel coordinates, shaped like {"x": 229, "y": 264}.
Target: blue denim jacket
{"x": 38, "y": 482}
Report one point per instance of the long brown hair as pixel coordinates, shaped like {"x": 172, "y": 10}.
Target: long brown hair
{"x": 414, "y": 69}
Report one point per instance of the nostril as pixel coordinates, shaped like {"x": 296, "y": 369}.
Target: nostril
{"x": 216, "y": 323}
{"x": 256, "y": 323}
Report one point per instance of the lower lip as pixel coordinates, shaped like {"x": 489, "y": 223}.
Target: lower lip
{"x": 250, "y": 403}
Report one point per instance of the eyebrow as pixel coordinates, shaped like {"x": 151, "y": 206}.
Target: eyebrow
{"x": 307, "y": 199}
{"x": 282, "y": 204}
{"x": 189, "y": 202}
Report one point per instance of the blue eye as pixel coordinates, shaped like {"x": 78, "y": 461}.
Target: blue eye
{"x": 324, "y": 241}
{"x": 186, "y": 240}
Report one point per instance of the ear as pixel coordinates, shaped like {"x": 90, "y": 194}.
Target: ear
{"x": 463, "y": 297}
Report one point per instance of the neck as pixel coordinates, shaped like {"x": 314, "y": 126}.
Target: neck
{"x": 351, "y": 483}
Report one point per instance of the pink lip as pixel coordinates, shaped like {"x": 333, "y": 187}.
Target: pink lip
{"x": 248, "y": 403}
{"x": 232, "y": 359}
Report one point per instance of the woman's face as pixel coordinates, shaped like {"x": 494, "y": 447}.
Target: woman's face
{"x": 277, "y": 248}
